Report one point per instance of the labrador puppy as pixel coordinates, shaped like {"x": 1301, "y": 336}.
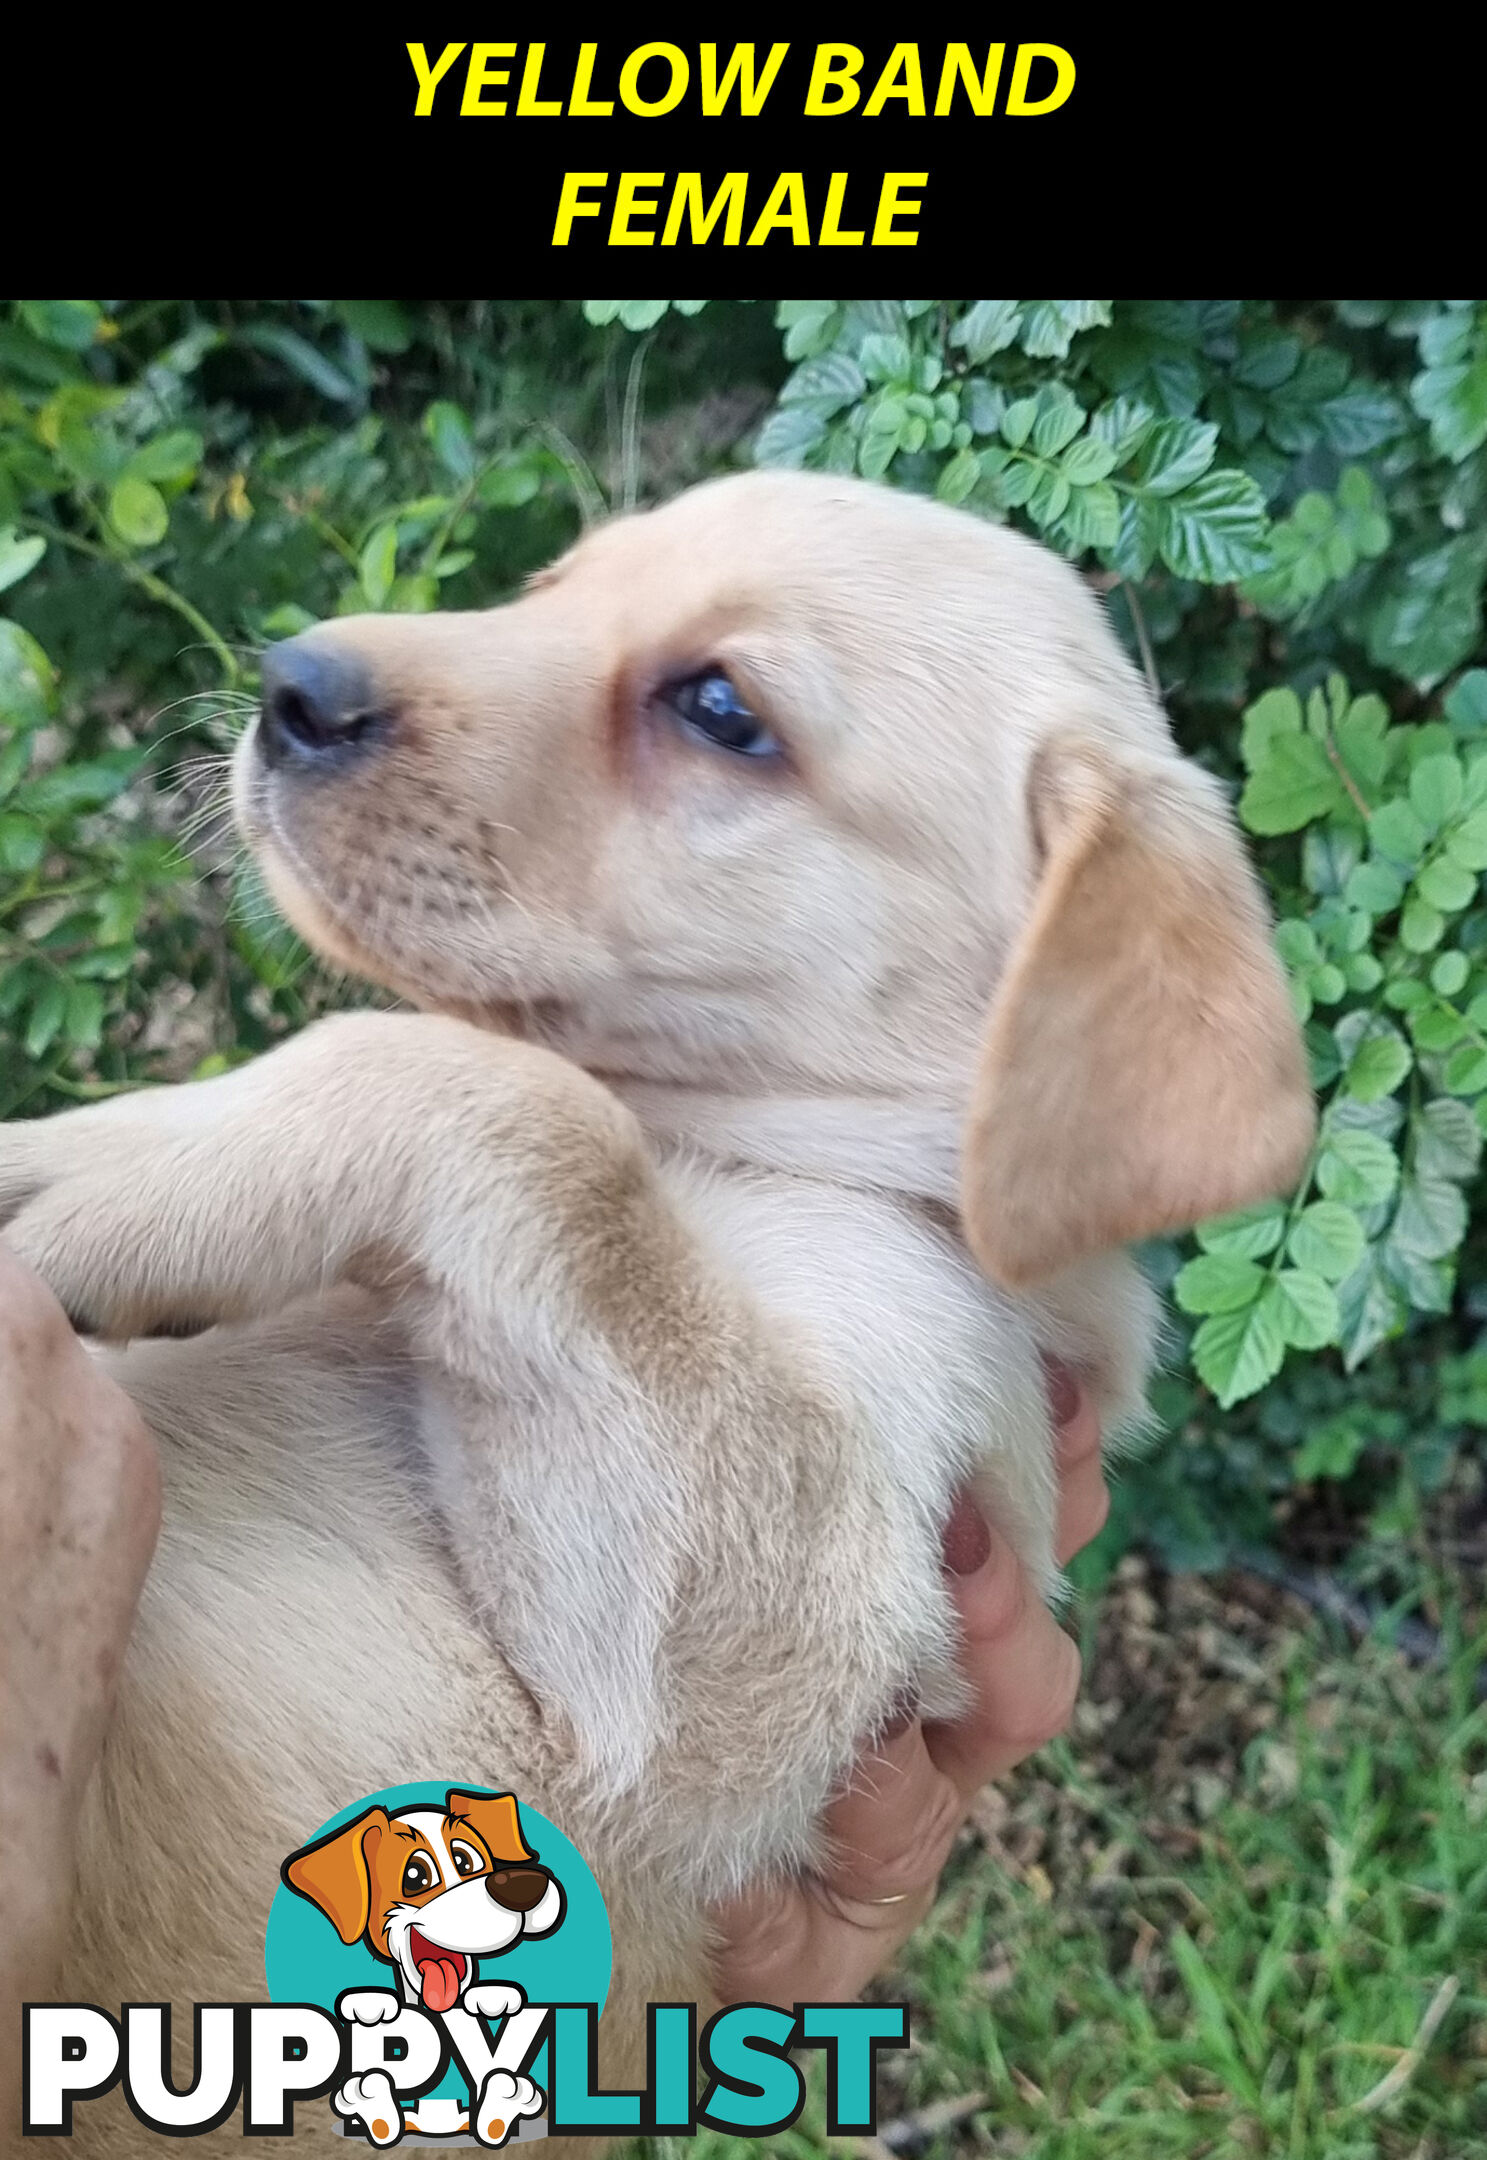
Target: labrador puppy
{"x": 824, "y": 964}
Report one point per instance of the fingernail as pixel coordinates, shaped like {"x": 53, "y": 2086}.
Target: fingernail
{"x": 1063, "y": 1390}
{"x": 966, "y": 1544}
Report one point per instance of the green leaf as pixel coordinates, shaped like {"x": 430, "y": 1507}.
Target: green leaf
{"x": 1296, "y": 942}
{"x": 787, "y": 435}
{"x": 1376, "y": 887}
{"x": 987, "y": 328}
{"x": 48, "y": 1011}
{"x": 448, "y": 431}
{"x": 137, "y": 512}
{"x": 1430, "y": 1221}
{"x": 382, "y": 324}
{"x": 377, "y": 563}
{"x": 1421, "y": 927}
{"x": 1446, "y": 885}
{"x": 83, "y": 1021}
{"x": 1278, "y": 712}
{"x": 1449, "y": 973}
{"x": 1174, "y": 454}
{"x": 1396, "y": 831}
{"x": 1357, "y": 1168}
{"x": 1217, "y": 1283}
{"x": 1326, "y": 1239}
{"x": 1330, "y": 1450}
{"x": 1293, "y": 783}
{"x": 875, "y": 454}
{"x": 1235, "y": 1353}
{"x": 174, "y": 456}
{"x": 22, "y": 845}
{"x": 1454, "y": 401}
{"x": 1448, "y": 1143}
{"x": 827, "y": 382}
{"x": 28, "y": 681}
{"x": 300, "y": 356}
{"x": 1466, "y": 1070}
{"x": 1060, "y": 417}
{"x": 1466, "y": 843}
{"x": 884, "y": 357}
{"x": 1371, "y": 1310}
{"x": 73, "y": 324}
{"x": 1017, "y": 421}
{"x": 1092, "y": 519}
{"x": 959, "y": 477}
{"x": 1124, "y": 425}
{"x": 510, "y": 487}
{"x": 1249, "y": 1233}
{"x": 1378, "y": 1064}
{"x": 1428, "y": 616}
{"x": 1086, "y": 461}
{"x": 1436, "y": 788}
{"x": 1136, "y": 542}
{"x": 1048, "y": 327}
{"x": 19, "y": 553}
{"x": 1215, "y": 530}
{"x": 1049, "y": 498}
{"x": 1435, "y": 1027}
{"x": 1465, "y": 703}
{"x": 1307, "y": 1309}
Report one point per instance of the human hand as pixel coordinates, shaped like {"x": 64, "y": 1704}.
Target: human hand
{"x": 821, "y": 1938}
{"x": 79, "y": 1512}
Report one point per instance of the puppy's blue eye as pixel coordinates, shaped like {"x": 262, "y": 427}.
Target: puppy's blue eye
{"x": 711, "y": 711}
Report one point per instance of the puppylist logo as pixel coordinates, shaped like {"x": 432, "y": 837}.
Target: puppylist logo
{"x": 437, "y": 1959}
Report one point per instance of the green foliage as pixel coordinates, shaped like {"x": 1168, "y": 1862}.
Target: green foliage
{"x": 155, "y": 529}
{"x": 1285, "y": 502}
{"x": 1384, "y": 935}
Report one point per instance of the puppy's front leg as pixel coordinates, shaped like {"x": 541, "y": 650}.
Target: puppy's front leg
{"x": 369, "y": 1147}
{"x": 682, "y": 1531}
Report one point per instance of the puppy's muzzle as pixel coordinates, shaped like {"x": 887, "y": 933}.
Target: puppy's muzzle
{"x": 320, "y": 709}
{"x": 518, "y": 1889}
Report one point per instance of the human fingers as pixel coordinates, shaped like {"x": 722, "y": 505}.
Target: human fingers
{"x": 1022, "y": 1668}
{"x": 1083, "y": 1494}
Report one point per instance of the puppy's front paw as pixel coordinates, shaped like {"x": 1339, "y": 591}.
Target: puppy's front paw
{"x": 369, "y": 2006}
{"x": 128, "y": 1208}
{"x": 372, "y": 2098}
{"x": 505, "y": 2098}
{"x": 494, "y": 1999}
{"x": 107, "y": 1245}
{"x": 89, "y": 1198}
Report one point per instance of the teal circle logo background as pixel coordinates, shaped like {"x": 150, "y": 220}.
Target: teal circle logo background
{"x": 305, "y": 1959}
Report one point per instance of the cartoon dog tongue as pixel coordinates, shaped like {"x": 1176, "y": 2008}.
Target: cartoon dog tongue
{"x": 439, "y": 1973}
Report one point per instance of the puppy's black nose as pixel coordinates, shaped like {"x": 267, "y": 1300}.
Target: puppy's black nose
{"x": 319, "y": 706}
{"x": 517, "y": 1888}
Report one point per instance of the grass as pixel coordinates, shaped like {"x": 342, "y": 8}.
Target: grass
{"x": 1242, "y": 1911}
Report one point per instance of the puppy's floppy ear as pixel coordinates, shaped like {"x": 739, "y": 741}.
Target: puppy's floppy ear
{"x": 336, "y": 1872}
{"x": 1142, "y": 1067}
{"x": 495, "y": 1817}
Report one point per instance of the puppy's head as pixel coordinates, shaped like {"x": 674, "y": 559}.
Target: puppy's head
{"x": 431, "y": 1892}
{"x": 804, "y": 786}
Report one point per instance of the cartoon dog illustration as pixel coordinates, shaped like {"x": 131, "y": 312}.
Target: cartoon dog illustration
{"x": 430, "y": 1892}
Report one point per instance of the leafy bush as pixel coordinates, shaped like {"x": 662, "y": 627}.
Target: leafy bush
{"x": 1283, "y": 502}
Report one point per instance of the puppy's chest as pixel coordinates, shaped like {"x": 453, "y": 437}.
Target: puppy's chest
{"x": 941, "y": 1368}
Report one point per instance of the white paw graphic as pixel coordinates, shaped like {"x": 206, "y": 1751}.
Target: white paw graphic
{"x": 372, "y": 2098}
{"x": 369, "y": 2006}
{"x": 494, "y": 1999}
{"x": 504, "y": 2099}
